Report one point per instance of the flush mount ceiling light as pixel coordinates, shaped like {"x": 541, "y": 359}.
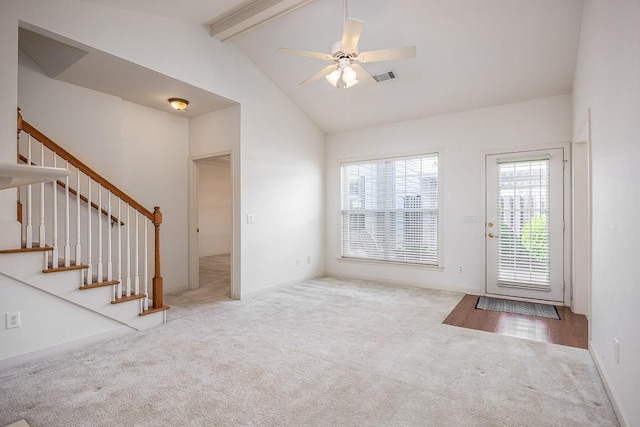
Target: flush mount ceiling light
{"x": 178, "y": 103}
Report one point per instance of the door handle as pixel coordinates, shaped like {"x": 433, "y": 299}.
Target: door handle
{"x": 493, "y": 236}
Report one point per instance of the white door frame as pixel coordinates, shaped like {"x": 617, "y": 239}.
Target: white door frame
{"x": 581, "y": 215}
{"x": 566, "y": 147}
{"x": 194, "y": 263}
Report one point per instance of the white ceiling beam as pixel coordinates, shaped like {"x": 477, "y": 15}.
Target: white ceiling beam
{"x": 252, "y": 16}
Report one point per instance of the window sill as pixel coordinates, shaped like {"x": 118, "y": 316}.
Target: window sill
{"x": 391, "y": 263}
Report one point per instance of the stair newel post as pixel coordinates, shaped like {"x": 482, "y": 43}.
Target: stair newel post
{"x": 67, "y": 245}
{"x": 89, "y": 243}
{"x": 99, "y": 219}
{"x": 119, "y": 288}
{"x": 78, "y": 245}
{"x": 109, "y": 230}
{"x": 157, "y": 278}
{"x": 136, "y": 277}
{"x": 145, "y": 302}
{"x": 29, "y": 230}
{"x": 127, "y": 228}
{"x": 55, "y": 254}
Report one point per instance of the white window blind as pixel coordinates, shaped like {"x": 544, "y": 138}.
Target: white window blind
{"x": 523, "y": 210}
{"x": 390, "y": 210}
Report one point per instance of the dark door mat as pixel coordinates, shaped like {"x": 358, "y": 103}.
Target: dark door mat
{"x": 518, "y": 307}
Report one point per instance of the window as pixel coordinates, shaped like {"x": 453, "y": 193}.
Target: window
{"x": 390, "y": 210}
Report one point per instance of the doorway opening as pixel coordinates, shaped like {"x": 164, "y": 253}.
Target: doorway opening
{"x": 214, "y": 227}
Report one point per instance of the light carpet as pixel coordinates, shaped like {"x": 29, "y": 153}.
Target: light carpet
{"x": 326, "y": 352}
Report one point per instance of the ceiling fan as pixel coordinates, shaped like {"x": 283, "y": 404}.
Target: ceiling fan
{"x": 345, "y": 72}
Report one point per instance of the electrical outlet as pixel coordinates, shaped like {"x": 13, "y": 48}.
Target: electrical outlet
{"x": 298, "y": 262}
{"x": 461, "y": 268}
{"x": 308, "y": 259}
{"x": 616, "y": 350}
{"x": 13, "y": 320}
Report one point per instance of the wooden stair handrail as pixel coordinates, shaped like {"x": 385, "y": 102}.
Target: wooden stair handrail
{"x": 75, "y": 193}
{"x": 155, "y": 217}
{"x": 35, "y": 133}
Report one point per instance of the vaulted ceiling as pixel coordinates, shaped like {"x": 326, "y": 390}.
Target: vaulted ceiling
{"x": 470, "y": 53}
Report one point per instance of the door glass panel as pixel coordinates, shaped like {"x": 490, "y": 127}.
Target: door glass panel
{"x": 523, "y": 213}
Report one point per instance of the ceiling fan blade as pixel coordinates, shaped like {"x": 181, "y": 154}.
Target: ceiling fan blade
{"x": 388, "y": 54}
{"x": 363, "y": 76}
{"x": 318, "y": 55}
{"x": 317, "y": 76}
{"x": 351, "y": 35}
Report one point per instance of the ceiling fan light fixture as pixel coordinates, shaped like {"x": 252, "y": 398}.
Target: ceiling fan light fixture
{"x": 178, "y": 103}
{"x": 333, "y": 77}
{"x": 349, "y": 75}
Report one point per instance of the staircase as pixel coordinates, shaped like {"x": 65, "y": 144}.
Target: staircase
{"x": 84, "y": 240}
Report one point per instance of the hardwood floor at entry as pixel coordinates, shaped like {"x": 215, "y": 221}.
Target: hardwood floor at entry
{"x": 571, "y": 330}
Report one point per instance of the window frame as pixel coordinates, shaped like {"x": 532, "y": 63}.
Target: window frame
{"x": 386, "y": 158}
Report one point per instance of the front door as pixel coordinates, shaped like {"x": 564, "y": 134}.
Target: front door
{"x": 524, "y": 232}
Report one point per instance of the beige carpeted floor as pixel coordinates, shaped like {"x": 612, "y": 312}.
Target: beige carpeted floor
{"x": 326, "y": 352}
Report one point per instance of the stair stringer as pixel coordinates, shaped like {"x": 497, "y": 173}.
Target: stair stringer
{"x": 26, "y": 268}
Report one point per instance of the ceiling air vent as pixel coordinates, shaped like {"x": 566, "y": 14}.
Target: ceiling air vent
{"x": 384, "y": 76}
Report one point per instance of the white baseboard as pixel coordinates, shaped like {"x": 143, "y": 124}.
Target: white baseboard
{"x": 597, "y": 360}
{"x": 452, "y": 288}
{"x": 59, "y": 348}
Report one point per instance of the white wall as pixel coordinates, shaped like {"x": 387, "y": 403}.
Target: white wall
{"x": 214, "y": 209}
{"x": 607, "y": 82}
{"x": 462, "y": 139}
{"x": 46, "y": 320}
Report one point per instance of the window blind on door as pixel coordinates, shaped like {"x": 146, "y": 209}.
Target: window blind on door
{"x": 523, "y": 212}
{"x": 390, "y": 210}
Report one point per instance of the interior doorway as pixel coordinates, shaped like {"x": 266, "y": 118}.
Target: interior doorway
{"x": 213, "y": 221}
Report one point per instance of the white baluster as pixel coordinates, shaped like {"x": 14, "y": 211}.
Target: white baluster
{"x": 136, "y": 280}
{"x": 54, "y": 254}
{"x": 89, "y": 243}
{"x": 128, "y": 231}
{"x": 109, "y": 229}
{"x": 29, "y": 231}
{"x": 41, "y": 234}
{"x": 146, "y": 269}
{"x": 67, "y": 246}
{"x": 100, "y": 269}
{"x": 119, "y": 288}
{"x": 78, "y": 202}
